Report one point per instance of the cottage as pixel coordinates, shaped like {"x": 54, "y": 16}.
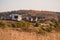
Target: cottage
{"x": 35, "y": 18}
{"x": 32, "y": 18}
{"x": 16, "y": 17}
{"x": 29, "y": 18}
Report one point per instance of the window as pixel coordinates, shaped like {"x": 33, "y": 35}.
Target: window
{"x": 15, "y": 16}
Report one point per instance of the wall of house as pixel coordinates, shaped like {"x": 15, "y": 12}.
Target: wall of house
{"x": 18, "y": 19}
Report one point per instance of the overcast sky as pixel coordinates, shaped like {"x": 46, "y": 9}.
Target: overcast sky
{"x": 48, "y": 5}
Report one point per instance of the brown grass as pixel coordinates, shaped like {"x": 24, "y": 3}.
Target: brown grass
{"x": 17, "y": 34}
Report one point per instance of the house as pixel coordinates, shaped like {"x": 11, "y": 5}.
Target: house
{"x": 32, "y": 18}
{"x": 16, "y": 17}
{"x": 28, "y": 18}
{"x": 35, "y": 18}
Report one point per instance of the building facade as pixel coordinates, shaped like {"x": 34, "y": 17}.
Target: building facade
{"x": 16, "y": 17}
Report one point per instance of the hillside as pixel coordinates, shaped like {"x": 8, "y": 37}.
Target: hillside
{"x": 47, "y": 28}
{"x": 46, "y": 14}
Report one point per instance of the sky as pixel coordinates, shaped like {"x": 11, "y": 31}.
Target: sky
{"x": 45, "y": 5}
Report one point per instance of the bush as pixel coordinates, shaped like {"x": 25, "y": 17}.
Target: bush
{"x": 9, "y": 25}
{"x": 36, "y": 24}
{"x": 51, "y": 23}
{"x": 25, "y": 24}
{"x": 57, "y": 24}
{"x": 21, "y": 24}
{"x": 44, "y": 28}
{"x": 3, "y": 25}
{"x": 41, "y": 31}
{"x": 49, "y": 29}
{"x": 17, "y": 24}
{"x": 14, "y": 25}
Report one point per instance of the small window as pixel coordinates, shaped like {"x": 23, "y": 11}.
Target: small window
{"x": 15, "y": 16}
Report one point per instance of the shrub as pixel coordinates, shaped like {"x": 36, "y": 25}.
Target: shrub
{"x": 51, "y": 23}
{"x": 14, "y": 25}
{"x": 36, "y": 24}
{"x": 9, "y": 25}
{"x": 41, "y": 31}
{"x": 2, "y": 24}
{"x": 44, "y": 29}
{"x": 25, "y": 24}
{"x": 57, "y": 24}
{"x": 17, "y": 24}
{"x": 42, "y": 20}
{"x": 49, "y": 29}
{"x": 21, "y": 24}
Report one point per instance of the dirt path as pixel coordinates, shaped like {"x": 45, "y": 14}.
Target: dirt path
{"x": 12, "y": 34}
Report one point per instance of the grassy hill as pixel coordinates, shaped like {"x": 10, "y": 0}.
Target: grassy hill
{"x": 48, "y": 28}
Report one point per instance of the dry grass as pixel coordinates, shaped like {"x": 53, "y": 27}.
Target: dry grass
{"x": 17, "y": 34}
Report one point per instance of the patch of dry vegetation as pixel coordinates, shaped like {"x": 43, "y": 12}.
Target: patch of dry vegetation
{"x": 18, "y": 34}
{"x": 27, "y": 26}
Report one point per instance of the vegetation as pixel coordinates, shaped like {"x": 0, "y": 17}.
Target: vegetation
{"x": 21, "y": 24}
{"x": 51, "y": 17}
{"x": 57, "y": 24}
{"x": 36, "y": 24}
{"x": 2, "y": 24}
{"x": 42, "y": 29}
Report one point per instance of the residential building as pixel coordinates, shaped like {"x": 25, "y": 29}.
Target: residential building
{"x": 16, "y": 17}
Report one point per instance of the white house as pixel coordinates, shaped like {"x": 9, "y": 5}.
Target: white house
{"x": 16, "y": 17}
{"x": 36, "y": 19}
{"x": 32, "y": 18}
